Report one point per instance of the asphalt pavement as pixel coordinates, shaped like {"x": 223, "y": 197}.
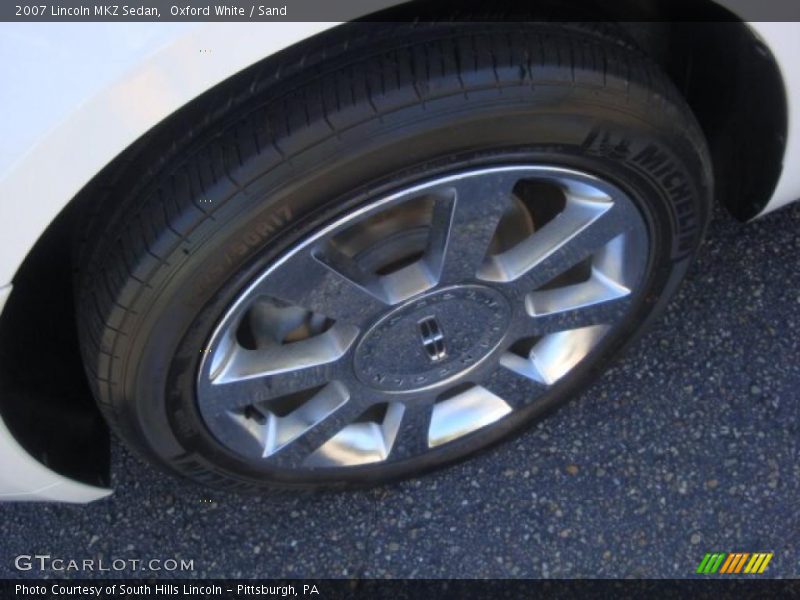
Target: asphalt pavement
{"x": 688, "y": 445}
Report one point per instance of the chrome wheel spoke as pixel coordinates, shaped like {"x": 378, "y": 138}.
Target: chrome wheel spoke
{"x": 323, "y": 350}
{"x": 311, "y": 439}
{"x": 465, "y": 222}
{"x": 603, "y": 311}
{"x": 517, "y": 388}
{"x": 547, "y": 359}
{"x": 229, "y": 394}
{"x": 327, "y": 283}
{"x": 465, "y": 412}
{"x": 264, "y": 427}
{"x": 582, "y": 229}
{"x": 412, "y": 437}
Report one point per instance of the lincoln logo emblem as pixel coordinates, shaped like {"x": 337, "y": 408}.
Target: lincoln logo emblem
{"x": 432, "y": 339}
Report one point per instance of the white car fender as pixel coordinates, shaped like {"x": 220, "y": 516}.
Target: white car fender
{"x": 124, "y": 79}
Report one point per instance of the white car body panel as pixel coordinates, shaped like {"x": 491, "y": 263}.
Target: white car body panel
{"x": 783, "y": 40}
{"x": 145, "y": 72}
{"x": 75, "y": 95}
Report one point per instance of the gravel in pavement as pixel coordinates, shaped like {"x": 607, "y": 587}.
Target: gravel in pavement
{"x": 688, "y": 445}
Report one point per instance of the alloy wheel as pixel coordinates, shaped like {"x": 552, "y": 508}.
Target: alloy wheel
{"x": 422, "y": 317}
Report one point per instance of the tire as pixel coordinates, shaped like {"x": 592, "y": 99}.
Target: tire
{"x": 264, "y": 165}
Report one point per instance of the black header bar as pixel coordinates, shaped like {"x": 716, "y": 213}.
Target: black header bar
{"x": 347, "y": 10}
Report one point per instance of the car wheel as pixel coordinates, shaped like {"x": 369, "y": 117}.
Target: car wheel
{"x": 391, "y": 258}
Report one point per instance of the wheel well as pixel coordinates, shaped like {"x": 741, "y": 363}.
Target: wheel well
{"x": 733, "y": 85}
{"x": 727, "y": 75}
{"x": 716, "y": 57}
{"x": 44, "y": 398}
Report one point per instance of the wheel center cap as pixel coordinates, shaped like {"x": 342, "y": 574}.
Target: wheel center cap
{"x": 432, "y": 338}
